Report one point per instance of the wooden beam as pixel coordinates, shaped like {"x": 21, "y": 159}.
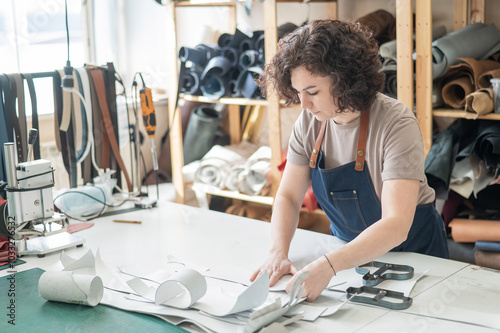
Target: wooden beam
{"x": 476, "y": 11}
{"x": 404, "y": 35}
{"x": 174, "y": 114}
{"x": 273, "y": 106}
{"x": 423, "y": 17}
{"x": 460, "y": 11}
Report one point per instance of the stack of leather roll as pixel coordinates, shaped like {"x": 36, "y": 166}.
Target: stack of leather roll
{"x": 485, "y": 234}
{"x": 240, "y": 167}
{"x": 463, "y": 64}
{"x": 227, "y": 69}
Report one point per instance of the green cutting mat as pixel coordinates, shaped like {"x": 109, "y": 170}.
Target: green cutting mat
{"x": 15, "y": 263}
{"x": 35, "y": 314}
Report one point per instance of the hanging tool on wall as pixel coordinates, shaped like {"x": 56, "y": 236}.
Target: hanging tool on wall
{"x": 149, "y": 119}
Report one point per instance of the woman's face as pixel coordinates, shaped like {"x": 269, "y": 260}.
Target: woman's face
{"x": 314, "y": 93}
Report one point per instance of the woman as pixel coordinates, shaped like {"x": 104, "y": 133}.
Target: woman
{"x": 362, "y": 150}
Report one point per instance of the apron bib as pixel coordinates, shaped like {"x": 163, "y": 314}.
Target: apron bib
{"x": 347, "y": 196}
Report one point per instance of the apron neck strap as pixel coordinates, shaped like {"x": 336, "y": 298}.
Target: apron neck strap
{"x": 317, "y": 145}
{"x": 361, "y": 149}
{"x": 362, "y": 136}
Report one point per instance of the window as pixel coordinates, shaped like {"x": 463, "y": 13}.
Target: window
{"x": 33, "y": 39}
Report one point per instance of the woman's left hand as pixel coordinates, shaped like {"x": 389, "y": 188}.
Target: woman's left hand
{"x": 320, "y": 274}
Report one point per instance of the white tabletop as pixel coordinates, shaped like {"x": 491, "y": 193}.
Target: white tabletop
{"x": 451, "y": 296}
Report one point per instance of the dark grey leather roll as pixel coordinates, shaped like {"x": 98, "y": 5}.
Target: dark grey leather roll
{"x": 200, "y": 132}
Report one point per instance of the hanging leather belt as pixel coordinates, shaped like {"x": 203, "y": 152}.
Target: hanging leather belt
{"x": 86, "y": 157}
{"x": 3, "y": 133}
{"x": 63, "y": 130}
{"x": 9, "y": 94}
{"x": 34, "y": 114}
{"x": 21, "y": 111}
{"x": 107, "y": 124}
{"x": 109, "y": 80}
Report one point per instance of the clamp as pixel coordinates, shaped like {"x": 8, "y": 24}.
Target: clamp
{"x": 373, "y": 279}
{"x": 378, "y": 299}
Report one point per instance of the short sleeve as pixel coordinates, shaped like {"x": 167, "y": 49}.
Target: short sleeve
{"x": 297, "y": 144}
{"x": 403, "y": 150}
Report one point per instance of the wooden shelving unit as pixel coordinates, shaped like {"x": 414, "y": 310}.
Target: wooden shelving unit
{"x": 404, "y": 32}
{"x": 423, "y": 31}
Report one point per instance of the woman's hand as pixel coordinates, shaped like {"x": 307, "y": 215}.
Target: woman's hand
{"x": 277, "y": 264}
{"x": 320, "y": 274}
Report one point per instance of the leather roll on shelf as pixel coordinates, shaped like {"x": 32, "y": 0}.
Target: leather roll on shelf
{"x": 200, "y": 132}
{"x": 234, "y": 40}
{"x": 190, "y": 84}
{"x": 464, "y": 78}
{"x": 248, "y": 58}
{"x": 245, "y": 83}
{"x": 231, "y": 54}
{"x": 480, "y": 102}
{"x": 389, "y": 68}
{"x": 477, "y": 41}
{"x": 258, "y": 38}
{"x": 227, "y": 69}
{"x": 382, "y": 23}
{"x": 217, "y": 66}
{"x": 473, "y": 230}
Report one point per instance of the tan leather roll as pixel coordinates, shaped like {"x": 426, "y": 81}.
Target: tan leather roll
{"x": 464, "y": 78}
{"x": 479, "y": 102}
{"x": 454, "y": 92}
{"x": 472, "y": 230}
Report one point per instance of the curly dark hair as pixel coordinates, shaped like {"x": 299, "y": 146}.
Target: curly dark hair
{"x": 344, "y": 51}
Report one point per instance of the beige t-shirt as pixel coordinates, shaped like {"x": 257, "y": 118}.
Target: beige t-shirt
{"x": 394, "y": 148}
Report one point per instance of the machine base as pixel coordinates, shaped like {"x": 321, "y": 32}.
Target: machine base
{"x": 43, "y": 245}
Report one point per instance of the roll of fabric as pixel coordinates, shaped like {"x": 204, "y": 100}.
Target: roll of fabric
{"x": 382, "y": 23}
{"x": 478, "y": 41}
{"x": 258, "y": 38}
{"x": 488, "y": 246}
{"x": 389, "y": 68}
{"x": 440, "y": 159}
{"x": 285, "y": 29}
{"x": 191, "y": 83}
{"x": 484, "y": 78}
{"x": 231, "y": 54}
{"x": 464, "y": 78}
{"x": 253, "y": 176}
{"x": 388, "y": 50}
{"x": 219, "y": 161}
{"x": 245, "y": 84}
{"x": 455, "y": 91}
{"x": 487, "y": 144}
{"x": 223, "y": 69}
{"x": 478, "y": 103}
{"x": 472, "y": 230}
{"x": 487, "y": 259}
{"x": 248, "y": 58}
{"x": 200, "y": 133}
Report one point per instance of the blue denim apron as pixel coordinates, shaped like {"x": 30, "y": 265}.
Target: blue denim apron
{"x": 347, "y": 196}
